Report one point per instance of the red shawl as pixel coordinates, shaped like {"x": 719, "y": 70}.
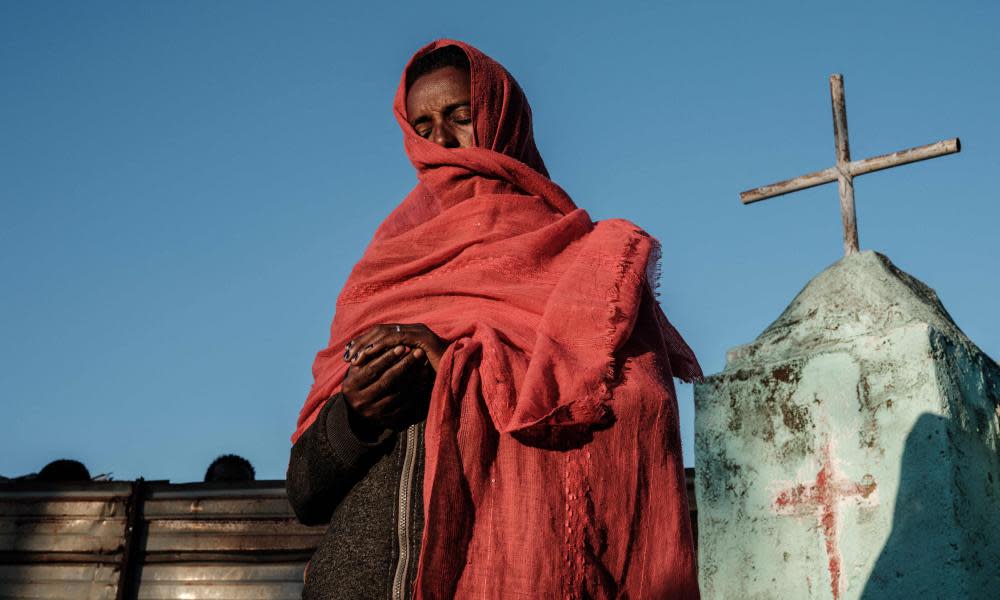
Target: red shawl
{"x": 553, "y": 460}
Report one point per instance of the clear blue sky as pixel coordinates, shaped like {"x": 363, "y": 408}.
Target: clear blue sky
{"x": 185, "y": 185}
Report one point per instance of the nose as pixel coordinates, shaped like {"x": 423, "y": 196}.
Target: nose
{"x": 444, "y": 136}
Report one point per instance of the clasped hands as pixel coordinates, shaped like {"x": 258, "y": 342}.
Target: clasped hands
{"x": 390, "y": 376}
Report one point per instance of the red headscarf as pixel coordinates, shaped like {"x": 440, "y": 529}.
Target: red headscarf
{"x": 553, "y": 457}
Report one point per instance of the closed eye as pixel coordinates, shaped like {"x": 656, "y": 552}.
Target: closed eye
{"x": 461, "y": 114}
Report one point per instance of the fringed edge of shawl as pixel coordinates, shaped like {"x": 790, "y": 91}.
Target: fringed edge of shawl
{"x": 575, "y": 420}
{"x": 613, "y": 337}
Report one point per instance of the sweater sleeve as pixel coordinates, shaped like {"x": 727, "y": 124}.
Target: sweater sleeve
{"x": 326, "y": 462}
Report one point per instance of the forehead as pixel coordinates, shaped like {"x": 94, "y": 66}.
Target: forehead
{"x": 438, "y": 89}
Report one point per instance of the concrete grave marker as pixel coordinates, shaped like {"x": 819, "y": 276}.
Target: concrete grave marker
{"x": 851, "y": 450}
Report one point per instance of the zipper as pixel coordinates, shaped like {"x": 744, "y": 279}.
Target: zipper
{"x": 399, "y": 587}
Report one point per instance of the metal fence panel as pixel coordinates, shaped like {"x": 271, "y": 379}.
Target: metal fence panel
{"x": 68, "y": 518}
{"x": 222, "y": 582}
{"x": 202, "y": 518}
{"x": 62, "y": 581}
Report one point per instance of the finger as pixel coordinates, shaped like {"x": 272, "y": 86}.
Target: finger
{"x": 362, "y": 354}
{"x": 363, "y": 340}
{"x": 358, "y": 343}
{"x": 391, "y": 375}
{"x": 416, "y": 336}
{"x": 360, "y": 377}
{"x": 368, "y": 344}
{"x": 375, "y": 351}
{"x": 376, "y": 367}
{"x": 398, "y": 334}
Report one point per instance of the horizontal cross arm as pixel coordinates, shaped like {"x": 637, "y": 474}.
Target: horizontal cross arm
{"x": 855, "y": 168}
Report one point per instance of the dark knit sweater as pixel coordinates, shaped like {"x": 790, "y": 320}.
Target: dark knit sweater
{"x": 355, "y": 486}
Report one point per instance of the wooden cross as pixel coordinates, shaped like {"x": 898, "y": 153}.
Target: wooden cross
{"x": 846, "y": 170}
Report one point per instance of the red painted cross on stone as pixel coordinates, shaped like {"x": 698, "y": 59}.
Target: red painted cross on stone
{"x": 820, "y": 498}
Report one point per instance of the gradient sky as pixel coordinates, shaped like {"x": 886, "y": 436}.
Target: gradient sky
{"x": 184, "y": 186}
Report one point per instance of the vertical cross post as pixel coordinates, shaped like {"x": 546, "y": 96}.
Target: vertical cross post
{"x": 845, "y": 178}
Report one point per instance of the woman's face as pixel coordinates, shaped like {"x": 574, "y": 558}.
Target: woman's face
{"x": 438, "y": 107}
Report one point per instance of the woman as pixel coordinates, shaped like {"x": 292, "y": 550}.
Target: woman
{"x": 494, "y": 416}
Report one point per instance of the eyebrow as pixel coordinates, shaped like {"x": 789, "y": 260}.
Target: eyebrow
{"x": 447, "y": 109}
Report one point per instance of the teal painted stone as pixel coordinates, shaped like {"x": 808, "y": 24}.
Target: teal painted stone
{"x": 851, "y": 450}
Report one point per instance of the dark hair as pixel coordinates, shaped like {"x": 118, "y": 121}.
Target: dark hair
{"x": 64, "y": 469}
{"x": 448, "y": 56}
{"x": 234, "y": 463}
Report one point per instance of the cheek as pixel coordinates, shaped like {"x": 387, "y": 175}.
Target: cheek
{"x": 464, "y": 133}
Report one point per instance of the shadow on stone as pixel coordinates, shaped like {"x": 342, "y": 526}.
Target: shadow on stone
{"x": 937, "y": 543}
{"x": 923, "y": 534}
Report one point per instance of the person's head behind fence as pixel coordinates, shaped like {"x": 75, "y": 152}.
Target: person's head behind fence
{"x": 230, "y": 467}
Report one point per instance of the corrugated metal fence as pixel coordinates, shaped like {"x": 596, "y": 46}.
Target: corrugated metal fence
{"x": 154, "y": 540}
{"x": 108, "y": 541}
